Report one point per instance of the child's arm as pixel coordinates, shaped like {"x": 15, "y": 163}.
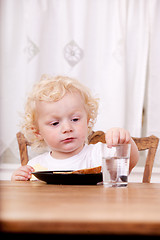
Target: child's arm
{"x": 119, "y": 136}
{"x": 23, "y": 173}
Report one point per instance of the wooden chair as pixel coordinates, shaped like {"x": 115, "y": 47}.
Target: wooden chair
{"x": 150, "y": 143}
{"x": 23, "y": 151}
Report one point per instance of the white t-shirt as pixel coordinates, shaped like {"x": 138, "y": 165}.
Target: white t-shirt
{"x": 90, "y": 156}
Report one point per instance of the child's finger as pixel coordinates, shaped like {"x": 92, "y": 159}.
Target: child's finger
{"x": 20, "y": 178}
{"x": 30, "y": 168}
{"x": 122, "y": 138}
{"x": 108, "y": 138}
{"x": 27, "y": 169}
{"x": 128, "y": 137}
{"x": 115, "y": 137}
{"x": 23, "y": 173}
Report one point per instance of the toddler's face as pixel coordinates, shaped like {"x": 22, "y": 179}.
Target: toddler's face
{"x": 63, "y": 125}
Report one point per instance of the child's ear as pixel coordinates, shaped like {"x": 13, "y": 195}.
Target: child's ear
{"x": 38, "y": 135}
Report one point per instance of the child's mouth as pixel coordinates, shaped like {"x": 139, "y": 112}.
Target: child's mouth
{"x": 68, "y": 140}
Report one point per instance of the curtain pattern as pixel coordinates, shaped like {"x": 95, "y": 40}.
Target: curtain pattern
{"x": 107, "y": 45}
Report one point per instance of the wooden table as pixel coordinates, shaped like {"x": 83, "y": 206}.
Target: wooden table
{"x": 36, "y": 207}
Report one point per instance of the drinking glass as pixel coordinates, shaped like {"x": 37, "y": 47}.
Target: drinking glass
{"x": 115, "y": 165}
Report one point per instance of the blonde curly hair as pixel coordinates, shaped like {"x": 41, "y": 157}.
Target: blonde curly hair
{"x": 53, "y": 89}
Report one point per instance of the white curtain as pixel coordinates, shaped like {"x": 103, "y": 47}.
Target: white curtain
{"x": 105, "y": 44}
{"x": 153, "y": 89}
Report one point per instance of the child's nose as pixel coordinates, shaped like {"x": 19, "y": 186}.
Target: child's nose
{"x": 67, "y": 127}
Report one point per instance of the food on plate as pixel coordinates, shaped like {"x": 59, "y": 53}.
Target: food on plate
{"x": 37, "y": 168}
{"x": 82, "y": 171}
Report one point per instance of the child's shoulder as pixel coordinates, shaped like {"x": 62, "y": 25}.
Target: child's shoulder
{"x": 94, "y": 149}
{"x": 38, "y": 159}
{"x": 94, "y": 146}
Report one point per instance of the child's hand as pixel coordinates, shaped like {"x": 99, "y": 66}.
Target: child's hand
{"x": 117, "y": 136}
{"x": 22, "y": 174}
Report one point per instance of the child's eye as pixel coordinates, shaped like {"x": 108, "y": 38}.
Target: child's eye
{"x": 75, "y": 119}
{"x": 54, "y": 123}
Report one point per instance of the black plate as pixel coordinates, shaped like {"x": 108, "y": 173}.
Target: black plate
{"x": 68, "y": 179}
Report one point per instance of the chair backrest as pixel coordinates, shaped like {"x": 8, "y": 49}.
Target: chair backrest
{"x": 23, "y": 151}
{"x": 150, "y": 143}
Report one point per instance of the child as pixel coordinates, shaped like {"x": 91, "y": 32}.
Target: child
{"x": 60, "y": 113}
